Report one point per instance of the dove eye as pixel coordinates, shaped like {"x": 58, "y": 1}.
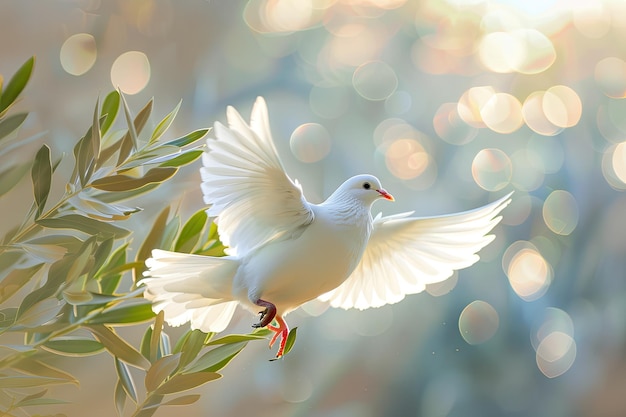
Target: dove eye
{"x": 367, "y": 186}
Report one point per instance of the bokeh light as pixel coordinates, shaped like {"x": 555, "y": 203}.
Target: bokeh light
{"x": 478, "y": 322}
{"x": 492, "y": 169}
{"x": 610, "y": 75}
{"x": 78, "y": 53}
{"x": 450, "y": 127}
{"x": 471, "y": 103}
{"x": 560, "y": 212}
{"x": 310, "y": 142}
{"x": 552, "y": 337}
{"x": 406, "y": 158}
{"x": 562, "y": 106}
{"x": 535, "y": 116}
{"x": 502, "y": 113}
{"x": 526, "y": 51}
{"x": 131, "y": 72}
{"x": 375, "y": 80}
{"x": 529, "y": 273}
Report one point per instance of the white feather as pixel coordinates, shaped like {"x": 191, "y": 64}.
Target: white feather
{"x": 405, "y": 253}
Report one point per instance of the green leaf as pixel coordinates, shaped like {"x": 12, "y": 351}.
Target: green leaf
{"x": 13, "y": 382}
{"x": 191, "y": 346}
{"x": 154, "y": 236}
{"x": 83, "y": 224}
{"x": 73, "y": 346}
{"x": 110, "y": 106}
{"x": 7, "y": 317}
{"x": 216, "y": 359}
{"x": 126, "y": 149}
{"x": 96, "y": 138}
{"x": 39, "y": 402}
{"x": 183, "y": 400}
{"x": 169, "y": 233}
{"x": 184, "y": 159}
{"x": 131, "y": 136}
{"x": 108, "y": 279}
{"x": 12, "y": 176}
{"x": 41, "y": 369}
{"x": 190, "y": 232}
{"x": 42, "y": 178}
{"x": 70, "y": 243}
{"x": 164, "y": 124}
{"x": 83, "y": 154}
{"x": 126, "y": 379}
{"x": 40, "y": 313}
{"x": 189, "y": 138}
{"x": 184, "y": 382}
{"x": 155, "y": 337}
{"x": 291, "y": 339}
{"x": 144, "y": 347}
{"x": 16, "y": 84}
{"x": 122, "y": 182}
{"x": 160, "y": 371}
{"x": 110, "y": 197}
{"x": 235, "y": 338}
{"x": 117, "y": 346}
{"x": 125, "y": 314}
{"x": 8, "y": 125}
{"x": 15, "y": 280}
{"x": 120, "y": 398}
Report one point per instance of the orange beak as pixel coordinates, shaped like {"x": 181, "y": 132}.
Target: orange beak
{"x": 385, "y": 194}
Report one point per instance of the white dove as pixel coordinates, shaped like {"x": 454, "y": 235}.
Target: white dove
{"x": 285, "y": 251}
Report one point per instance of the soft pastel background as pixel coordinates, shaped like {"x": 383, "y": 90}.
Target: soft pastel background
{"x": 452, "y": 103}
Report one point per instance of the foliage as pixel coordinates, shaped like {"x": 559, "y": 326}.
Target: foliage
{"x": 67, "y": 278}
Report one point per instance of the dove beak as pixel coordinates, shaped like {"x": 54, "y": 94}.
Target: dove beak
{"x": 385, "y": 194}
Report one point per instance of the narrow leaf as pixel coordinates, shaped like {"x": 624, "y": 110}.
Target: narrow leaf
{"x": 28, "y": 381}
{"x": 235, "y": 338}
{"x": 190, "y": 232}
{"x": 126, "y": 379}
{"x": 42, "y": 369}
{"x": 184, "y": 159}
{"x": 125, "y": 314}
{"x": 39, "y": 402}
{"x": 144, "y": 347}
{"x": 110, "y": 106}
{"x": 122, "y": 182}
{"x": 41, "y": 174}
{"x": 83, "y": 154}
{"x": 8, "y": 125}
{"x": 95, "y": 131}
{"x": 15, "y": 280}
{"x": 183, "y": 400}
{"x": 12, "y": 176}
{"x": 160, "y": 370}
{"x": 40, "y": 313}
{"x": 16, "y": 84}
{"x": 216, "y": 359}
{"x": 155, "y": 337}
{"x": 83, "y": 224}
{"x": 184, "y": 382}
{"x": 117, "y": 346}
{"x": 132, "y": 131}
{"x": 120, "y": 398}
{"x": 191, "y": 346}
{"x": 291, "y": 339}
{"x": 164, "y": 124}
{"x": 74, "y": 346}
{"x": 189, "y": 138}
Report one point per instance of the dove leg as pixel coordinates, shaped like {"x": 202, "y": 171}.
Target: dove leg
{"x": 267, "y": 315}
{"x": 283, "y": 331}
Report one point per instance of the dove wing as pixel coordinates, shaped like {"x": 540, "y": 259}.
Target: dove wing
{"x": 404, "y": 254}
{"x": 246, "y": 186}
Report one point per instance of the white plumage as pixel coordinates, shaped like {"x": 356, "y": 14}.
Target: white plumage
{"x": 284, "y": 251}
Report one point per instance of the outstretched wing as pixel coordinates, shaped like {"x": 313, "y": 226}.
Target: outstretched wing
{"x": 404, "y": 254}
{"x": 245, "y": 183}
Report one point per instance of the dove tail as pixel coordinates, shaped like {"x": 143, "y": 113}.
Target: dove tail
{"x": 191, "y": 288}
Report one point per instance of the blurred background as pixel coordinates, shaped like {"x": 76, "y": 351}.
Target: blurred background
{"x": 452, "y": 104}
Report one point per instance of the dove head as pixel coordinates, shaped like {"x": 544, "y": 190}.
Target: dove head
{"x": 363, "y": 188}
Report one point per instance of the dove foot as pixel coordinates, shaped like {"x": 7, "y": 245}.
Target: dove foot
{"x": 267, "y": 315}
{"x": 283, "y": 331}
